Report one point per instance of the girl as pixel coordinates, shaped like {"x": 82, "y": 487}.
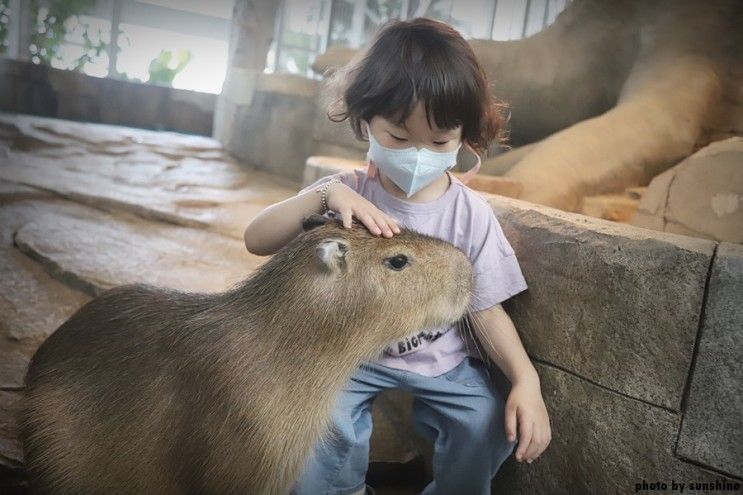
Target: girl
{"x": 412, "y": 72}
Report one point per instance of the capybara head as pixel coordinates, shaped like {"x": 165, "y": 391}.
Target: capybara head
{"x": 395, "y": 286}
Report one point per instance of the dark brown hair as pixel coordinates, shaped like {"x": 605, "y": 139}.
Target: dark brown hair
{"x": 426, "y": 59}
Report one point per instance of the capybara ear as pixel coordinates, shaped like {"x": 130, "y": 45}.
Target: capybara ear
{"x": 314, "y": 220}
{"x": 331, "y": 253}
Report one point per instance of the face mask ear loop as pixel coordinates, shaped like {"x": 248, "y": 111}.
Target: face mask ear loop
{"x": 371, "y": 169}
{"x": 467, "y": 176}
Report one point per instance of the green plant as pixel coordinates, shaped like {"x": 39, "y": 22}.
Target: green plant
{"x": 51, "y": 24}
{"x": 160, "y": 70}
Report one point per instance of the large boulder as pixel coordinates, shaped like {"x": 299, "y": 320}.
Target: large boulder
{"x": 702, "y": 196}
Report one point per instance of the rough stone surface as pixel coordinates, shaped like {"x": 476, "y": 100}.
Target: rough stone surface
{"x": 184, "y": 180}
{"x": 615, "y": 304}
{"x": 11, "y": 450}
{"x": 702, "y": 196}
{"x": 91, "y": 251}
{"x": 389, "y": 416}
{"x": 615, "y": 207}
{"x": 602, "y": 442}
{"x": 10, "y": 192}
{"x": 13, "y": 366}
{"x": 273, "y": 131}
{"x": 712, "y": 430}
{"x": 32, "y": 304}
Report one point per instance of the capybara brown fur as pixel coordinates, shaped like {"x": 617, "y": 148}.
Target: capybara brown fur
{"x": 152, "y": 390}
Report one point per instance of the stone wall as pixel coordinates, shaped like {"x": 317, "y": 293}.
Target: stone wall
{"x": 620, "y": 321}
{"x": 41, "y": 90}
{"x": 266, "y": 120}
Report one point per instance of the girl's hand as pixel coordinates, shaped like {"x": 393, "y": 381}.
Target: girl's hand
{"x": 525, "y": 403}
{"x": 349, "y": 204}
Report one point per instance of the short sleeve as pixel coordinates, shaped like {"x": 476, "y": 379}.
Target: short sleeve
{"x": 348, "y": 178}
{"x": 497, "y": 274}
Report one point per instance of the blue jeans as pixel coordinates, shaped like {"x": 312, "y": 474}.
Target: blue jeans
{"x": 460, "y": 411}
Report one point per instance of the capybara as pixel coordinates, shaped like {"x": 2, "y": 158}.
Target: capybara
{"x": 152, "y": 390}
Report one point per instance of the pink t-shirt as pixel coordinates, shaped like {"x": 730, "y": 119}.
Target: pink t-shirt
{"x": 463, "y": 218}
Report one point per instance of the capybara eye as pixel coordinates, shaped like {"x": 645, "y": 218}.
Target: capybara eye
{"x": 397, "y": 262}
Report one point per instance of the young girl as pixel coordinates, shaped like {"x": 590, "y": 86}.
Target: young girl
{"x": 415, "y": 72}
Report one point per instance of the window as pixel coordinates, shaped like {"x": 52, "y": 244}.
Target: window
{"x": 71, "y": 35}
{"x": 178, "y": 43}
{"x": 301, "y": 34}
{"x": 306, "y": 28}
{"x": 4, "y": 26}
{"x": 172, "y": 42}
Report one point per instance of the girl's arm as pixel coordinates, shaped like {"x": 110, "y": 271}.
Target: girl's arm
{"x": 281, "y": 222}
{"x": 278, "y": 224}
{"x": 496, "y": 332}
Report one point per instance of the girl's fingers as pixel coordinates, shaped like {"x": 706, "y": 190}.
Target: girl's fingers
{"x": 346, "y": 217}
{"x": 383, "y": 227}
{"x": 542, "y": 440}
{"x": 384, "y": 221}
{"x": 367, "y": 220}
{"x": 525, "y": 428}
{"x": 387, "y": 225}
{"x": 510, "y": 423}
{"x": 535, "y": 447}
{"x": 392, "y": 223}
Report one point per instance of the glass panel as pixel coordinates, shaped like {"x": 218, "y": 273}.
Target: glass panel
{"x": 301, "y": 24}
{"x": 509, "y": 20}
{"x": 536, "y": 17}
{"x": 341, "y": 25}
{"x": 215, "y": 8}
{"x": 379, "y": 11}
{"x": 471, "y": 18}
{"x": 4, "y": 24}
{"x": 168, "y": 58}
{"x": 71, "y": 34}
{"x": 554, "y": 7}
{"x": 295, "y": 61}
{"x": 355, "y": 22}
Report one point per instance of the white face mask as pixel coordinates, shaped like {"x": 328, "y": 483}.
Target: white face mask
{"x": 412, "y": 169}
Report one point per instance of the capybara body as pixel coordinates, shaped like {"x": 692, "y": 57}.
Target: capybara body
{"x": 150, "y": 390}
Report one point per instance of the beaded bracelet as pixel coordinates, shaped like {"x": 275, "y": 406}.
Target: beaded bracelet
{"x": 323, "y": 190}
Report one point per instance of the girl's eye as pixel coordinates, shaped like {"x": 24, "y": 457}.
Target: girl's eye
{"x": 403, "y": 139}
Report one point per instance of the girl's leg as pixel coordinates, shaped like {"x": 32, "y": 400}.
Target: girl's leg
{"x": 463, "y": 413}
{"x": 338, "y": 464}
